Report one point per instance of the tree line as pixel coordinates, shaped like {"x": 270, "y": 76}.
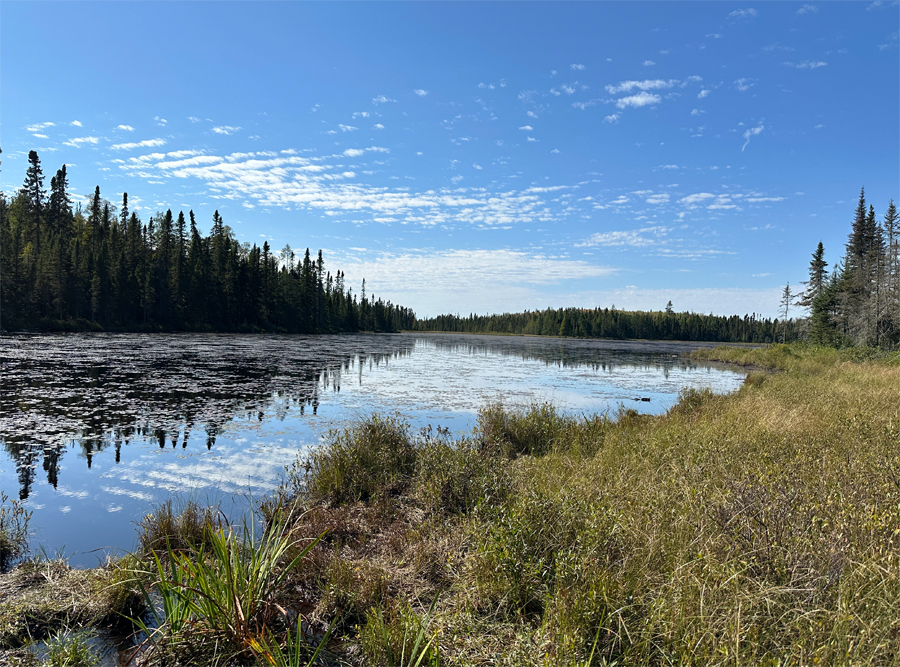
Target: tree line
{"x": 858, "y": 301}
{"x": 101, "y": 266}
{"x": 620, "y": 324}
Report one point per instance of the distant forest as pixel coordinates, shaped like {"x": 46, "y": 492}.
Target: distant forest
{"x": 101, "y": 267}
{"x": 613, "y": 323}
{"x": 858, "y": 303}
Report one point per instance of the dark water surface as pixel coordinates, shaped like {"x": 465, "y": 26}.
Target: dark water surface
{"x": 96, "y": 428}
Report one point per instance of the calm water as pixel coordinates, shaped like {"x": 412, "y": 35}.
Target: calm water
{"x": 95, "y": 429}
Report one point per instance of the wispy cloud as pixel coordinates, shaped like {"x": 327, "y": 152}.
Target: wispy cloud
{"x": 294, "y": 182}
{"x": 147, "y": 143}
{"x": 807, "y": 9}
{"x": 37, "y": 127}
{"x": 743, "y": 13}
{"x": 382, "y": 99}
{"x": 127, "y": 128}
{"x": 743, "y": 84}
{"x": 703, "y": 93}
{"x": 612, "y": 118}
{"x": 636, "y": 238}
{"x": 642, "y": 99}
{"x": 578, "y": 67}
{"x": 347, "y": 128}
{"x": 81, "y": 141}
{"x": 526, "y": 127}
{"x": 751, "y": 132}
{"x": 76, "y": 123}
{"x": 649, "y": 63}
{"x": 420, "y": 92}
{"x": 225, "y": 129}
{"x": 40, "y": 136}
{"x": 809, "y": 64}
{"x": 647, "y": 84}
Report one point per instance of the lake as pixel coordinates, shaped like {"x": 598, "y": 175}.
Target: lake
{"x": 97, "y": 428}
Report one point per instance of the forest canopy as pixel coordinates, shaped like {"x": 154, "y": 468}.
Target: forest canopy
{"x": 101, "y": 266}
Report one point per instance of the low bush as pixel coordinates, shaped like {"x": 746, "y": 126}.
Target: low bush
{"x": 13, "y": 531}
{"x": 374, "y": 458}
{"x": 169, "y": 527}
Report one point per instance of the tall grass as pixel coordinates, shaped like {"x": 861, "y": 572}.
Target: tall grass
{"x": 13, "y": 531}
{"x": 757, "y": 528}
{"x": 761, "y": 527}
{"x": 225, "y": 597}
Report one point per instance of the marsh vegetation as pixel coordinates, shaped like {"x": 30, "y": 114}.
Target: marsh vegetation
{"x": 759, "y": 527}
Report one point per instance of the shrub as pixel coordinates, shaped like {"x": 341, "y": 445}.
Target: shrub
{"x": 374, "y": 458}
{"x": 532, "y": 432}
{"x": 456, "y": 478}
{"x": 13, "y": 531}
{"x": 185, "y": 530}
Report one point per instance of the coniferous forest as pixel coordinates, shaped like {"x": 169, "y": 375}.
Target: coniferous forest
{"x": 102, "y": 267}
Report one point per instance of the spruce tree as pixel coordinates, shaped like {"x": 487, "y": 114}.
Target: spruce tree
{"x": 817, "y": 276}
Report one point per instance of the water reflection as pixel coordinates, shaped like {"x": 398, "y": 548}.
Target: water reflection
{"x": 90, "y": 393}
{"x": 81, "y": 395}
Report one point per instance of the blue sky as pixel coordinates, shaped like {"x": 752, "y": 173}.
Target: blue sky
{"x": 479, "y": 157}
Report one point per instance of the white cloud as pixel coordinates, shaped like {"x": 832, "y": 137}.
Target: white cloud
{"x": 612, "y": 118}
{"x": 378, "y": 126}
{"x": 356, "y": 152}
{"x": 669, "y": 166}
{"x": 526, "y": 127}
{"x": 648, "y": 63}
{"x": 37, "y": 127}
{"x": 703, "y": 93}
{"x": 807, "y": 9}
{"x": 742, "y": 13}
{"x": 691, "y": 201}
{"x": 420, "y": 92}
{"x": 147, "y": 143}
{"x": 751, "y": 132}
{"x": 628, "y": 86}
{"x": 160, "y": 121}
{"x": 642, "y": 99}
{"x": 555, "y": 150}
{"x": 381, "y": 99}
{"x": 347, "y": 128}
{"x": 531, "y": 114}
{"x": 127, "y": 128}
{"x": 531, "y": 139}
{"x": 743, "y": 84}
{"x": 809, "y": 64}
{"x": 76, "y": 123}
{"x": 567, "y": 89}
{"x": 225, "y": 129}
{"x": 41, "y": 136}
{"x": 757, "y": 200}
{"x": 658, "y": 199}
{"x": 635, "y": 238}
{"x": 193, "y": 119}
{"x": 80, "y": 141}
{"x": 320, "y": 186}
{"x": 578, "y": 67}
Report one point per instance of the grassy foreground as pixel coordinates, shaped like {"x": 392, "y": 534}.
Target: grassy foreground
{"x": 759, "y": 528}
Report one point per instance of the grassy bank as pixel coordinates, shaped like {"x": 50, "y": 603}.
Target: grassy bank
{"x": 759, "y": 528}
